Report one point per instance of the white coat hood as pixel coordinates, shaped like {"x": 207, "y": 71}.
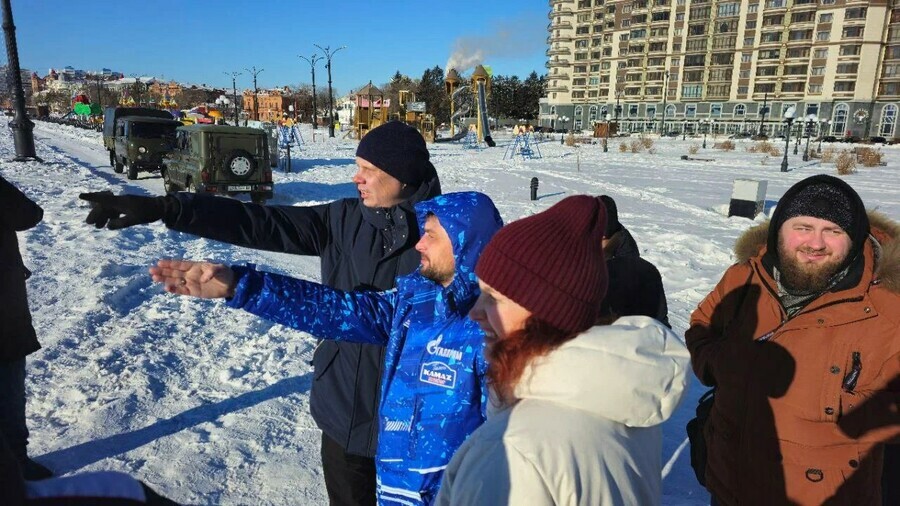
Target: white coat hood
{"x": 633, "y": 372}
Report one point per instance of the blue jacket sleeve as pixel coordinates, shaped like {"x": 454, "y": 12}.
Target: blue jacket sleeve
{"x": 285, "y": 229}
{"x": 359, "y": 317}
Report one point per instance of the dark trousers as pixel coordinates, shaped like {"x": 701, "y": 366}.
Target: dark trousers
{"x": 349, "y": 479}
{"x": 12, "y": 406}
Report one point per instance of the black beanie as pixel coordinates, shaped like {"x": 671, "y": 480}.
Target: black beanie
{"x": 399, "y": 150}
{"x": 612, "y": 216}
{"x": 827, "y": 198}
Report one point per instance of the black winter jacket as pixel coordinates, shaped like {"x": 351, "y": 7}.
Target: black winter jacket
{"x": 360, "y": 249}
{"x": 17, "y": 213}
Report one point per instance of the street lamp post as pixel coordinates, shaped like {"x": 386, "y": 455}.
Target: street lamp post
{"x": 21, "y": 125}
{"x": 255, "y": 92}
{"x": 706, "y": 123}
{"x": 764, "y": 110}
{"x": 606, "y": 140}
{"x": 662, "y": 123}
{"x": 234, "y": 93}
{"x": 312, "y": 64}
{"x": 823, "y": 126}
{"x": 810, "y": 120}
{"x": 789, "y": 119}
{"x": 223, "y": 103}
{"x": 684, "y": 130}
{"x": 799, "y": 137}
{"x": 328, "y": 55}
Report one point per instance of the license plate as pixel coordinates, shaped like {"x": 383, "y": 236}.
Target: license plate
{"x": 240, "y": 188}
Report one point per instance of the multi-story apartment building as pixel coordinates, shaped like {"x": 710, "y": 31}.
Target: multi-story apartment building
{"x": 732, "y": 65}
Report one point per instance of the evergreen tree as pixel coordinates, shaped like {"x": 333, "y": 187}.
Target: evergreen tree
{"x": 431, "y": 91}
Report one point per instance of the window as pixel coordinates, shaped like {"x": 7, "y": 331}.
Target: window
{"x": 660, "y": 16}
{"x": 744, "y": 74}
{"x": 892, "y": 53}
{"x": 795, "y": 35}
{"x": 855, "y": 13}
{"x": 722, "y": 58}
{"x": 578, "y": 111}
{"x": 891, "y": 70}
{"x": 670, "y": 111}
{"x": 853, "y": 32}
{"x": 693, "y": 76}
{"x": 720, "y": 74}
{"x": 766, "y": 71}
{"x": 594, "y": 81}
{"x": 746, "y": 58}
{"x": 718, "y": 90}
{"x": 632, "y": 111}
{"x": 777, "y": 19}
{"x": 753, "y": 8}
{"x": 771, "y": 37}
{"x": 844, "y": 85}
{"x": 847, "y": 68}
{"x": 889, "y": 89}
{"x": 578, "y": 82}
{"x": 770, "y": 54}
{"x": 850, "y": 50}
{"x": 695, "y": 60}
{"x": 823, "y": 35}
{"x": 798, "y": 52}
{"x": 696, "y": 44}
{"x": 592, "y": 114}
{"x": 792, "y": 87}
{"x": 817, "y": 71}
{"x": 888, "y": 120}
{"x": 839, "y": 119}
{"x": 699, "y": 29}
{"x": 795, "y": 70}
{"x": 727, "y": 26}
{"x": 751, "y": 24}
{"x": 821, "y": 52}
{"x": 742, "y": 90}
{"x": 748, "y": 41}
{"x": 740, "y": 110}
{"x": 651, "y": 111}
{"x": 692, "y": 91}
{"x": 803, "y": 17}
{"x": 699, "y": 13}
{"x": 764, "y": 88}
{"x": 826, "y": 18}
{"x": 728, "y": 9}
{"x": 690, "y": 110}
{"x": 677, "y": 61}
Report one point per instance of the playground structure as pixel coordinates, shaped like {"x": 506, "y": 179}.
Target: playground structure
{"x": 415, "y": 115}
{"x": 371, "y": 109}
{"x": 89, "y": 112}
{"x": 287, "y": 135}
{"x": 524, "y": 145}
{"x": 460, "y": 97}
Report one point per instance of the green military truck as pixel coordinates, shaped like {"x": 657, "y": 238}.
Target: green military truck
{"x": 140, "y": 143}
{"x": 220, "y": 159}
{"x": 112, "y": 114}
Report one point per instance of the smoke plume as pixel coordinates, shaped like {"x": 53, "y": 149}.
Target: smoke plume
{"x": 520, "y": 36}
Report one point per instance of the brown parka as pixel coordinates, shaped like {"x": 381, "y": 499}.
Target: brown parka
{"x": 789, "y": 424}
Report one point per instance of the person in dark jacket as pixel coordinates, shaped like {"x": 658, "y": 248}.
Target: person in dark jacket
{"x": 635, "y": 285}
{"x": 17, "y": 336}
{"x": 434, "y": 361}
{"x": 363, "y": 243}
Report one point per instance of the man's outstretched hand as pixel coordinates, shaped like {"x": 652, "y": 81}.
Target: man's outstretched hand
{"x": 199, "y": 279}
{"x": 115, "y": 212}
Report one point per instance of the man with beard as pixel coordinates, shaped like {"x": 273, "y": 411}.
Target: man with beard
{"x": 364, "y": 243}
{"x": 433, "y": 391}
{"x": 801, "y": 339}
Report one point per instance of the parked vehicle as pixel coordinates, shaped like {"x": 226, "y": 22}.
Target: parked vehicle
{"x": 741, "y": 135}
{"x": 220, "y": 159}
{"x": 112, "y": 114}
{"x": 140, "y": 143}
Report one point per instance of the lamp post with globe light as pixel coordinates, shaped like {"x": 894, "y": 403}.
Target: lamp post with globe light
{"x": 810, "y": 121}
{"x": 606, "y": 140}
{"x": 789, "y": 119}
{"x": 824, "y": 125}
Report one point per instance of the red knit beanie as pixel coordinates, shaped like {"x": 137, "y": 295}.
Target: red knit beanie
{"x": 552, "y": 263}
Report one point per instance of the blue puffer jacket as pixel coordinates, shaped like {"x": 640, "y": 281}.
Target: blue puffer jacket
{"x": 433, "y": 391}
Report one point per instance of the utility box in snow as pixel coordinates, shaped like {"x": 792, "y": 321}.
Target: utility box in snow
{"x": 747, "y": 198}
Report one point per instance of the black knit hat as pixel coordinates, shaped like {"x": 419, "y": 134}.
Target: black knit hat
{"x": 824, "y": 197}
{"x": 399, "y": 150}
{"x": 612, "y": 216}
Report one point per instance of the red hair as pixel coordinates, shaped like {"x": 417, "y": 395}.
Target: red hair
{"x": 508, "y": 357}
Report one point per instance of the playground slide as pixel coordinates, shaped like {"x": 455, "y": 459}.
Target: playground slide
{"x": 485, "y": 121}
{"x": 461, "y": 131}
{"x": 458, "y": 137}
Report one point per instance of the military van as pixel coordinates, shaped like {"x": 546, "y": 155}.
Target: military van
{"x": 141, "y": 142}
{"x": 112, "y": 114}
{"x": 220, "y": 159}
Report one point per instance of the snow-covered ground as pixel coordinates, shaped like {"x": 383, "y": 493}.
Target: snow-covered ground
{"x": 210, "y": 405}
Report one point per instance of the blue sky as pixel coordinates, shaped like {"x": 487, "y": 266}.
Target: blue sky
{"x": 196, "y": 41}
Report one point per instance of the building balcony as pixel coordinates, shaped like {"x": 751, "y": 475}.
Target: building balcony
{"x": 565, "y": 11}
{"x": 559, "y": 51}
{"x": 557, "y": 63}
{"x": 563, "y": 37}
{"x": 558, "y": 89}
{"x": 560, "y": 25}
{"x": 563, "y": 76}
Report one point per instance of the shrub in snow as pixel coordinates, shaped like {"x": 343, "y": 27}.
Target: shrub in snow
{"x": 725, "y": 145}
{"x": 693, "y": 149}
{"x": 623, "y": 147}
{"x": 869, "y": 157}
{"x": 828, "y": 155}
{"x": 845, "y": 163}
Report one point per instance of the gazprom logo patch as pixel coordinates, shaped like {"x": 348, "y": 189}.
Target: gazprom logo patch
{"x": 439, "y": 374}
{"x": 434, "y": 348}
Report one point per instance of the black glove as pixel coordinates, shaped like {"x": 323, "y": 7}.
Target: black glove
{"x": 115, "y": 212}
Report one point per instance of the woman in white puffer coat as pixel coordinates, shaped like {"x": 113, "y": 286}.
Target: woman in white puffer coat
{"x": 577, "y": 408}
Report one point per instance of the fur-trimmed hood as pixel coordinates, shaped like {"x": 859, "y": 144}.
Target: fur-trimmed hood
{"x": 883, "y": 230}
